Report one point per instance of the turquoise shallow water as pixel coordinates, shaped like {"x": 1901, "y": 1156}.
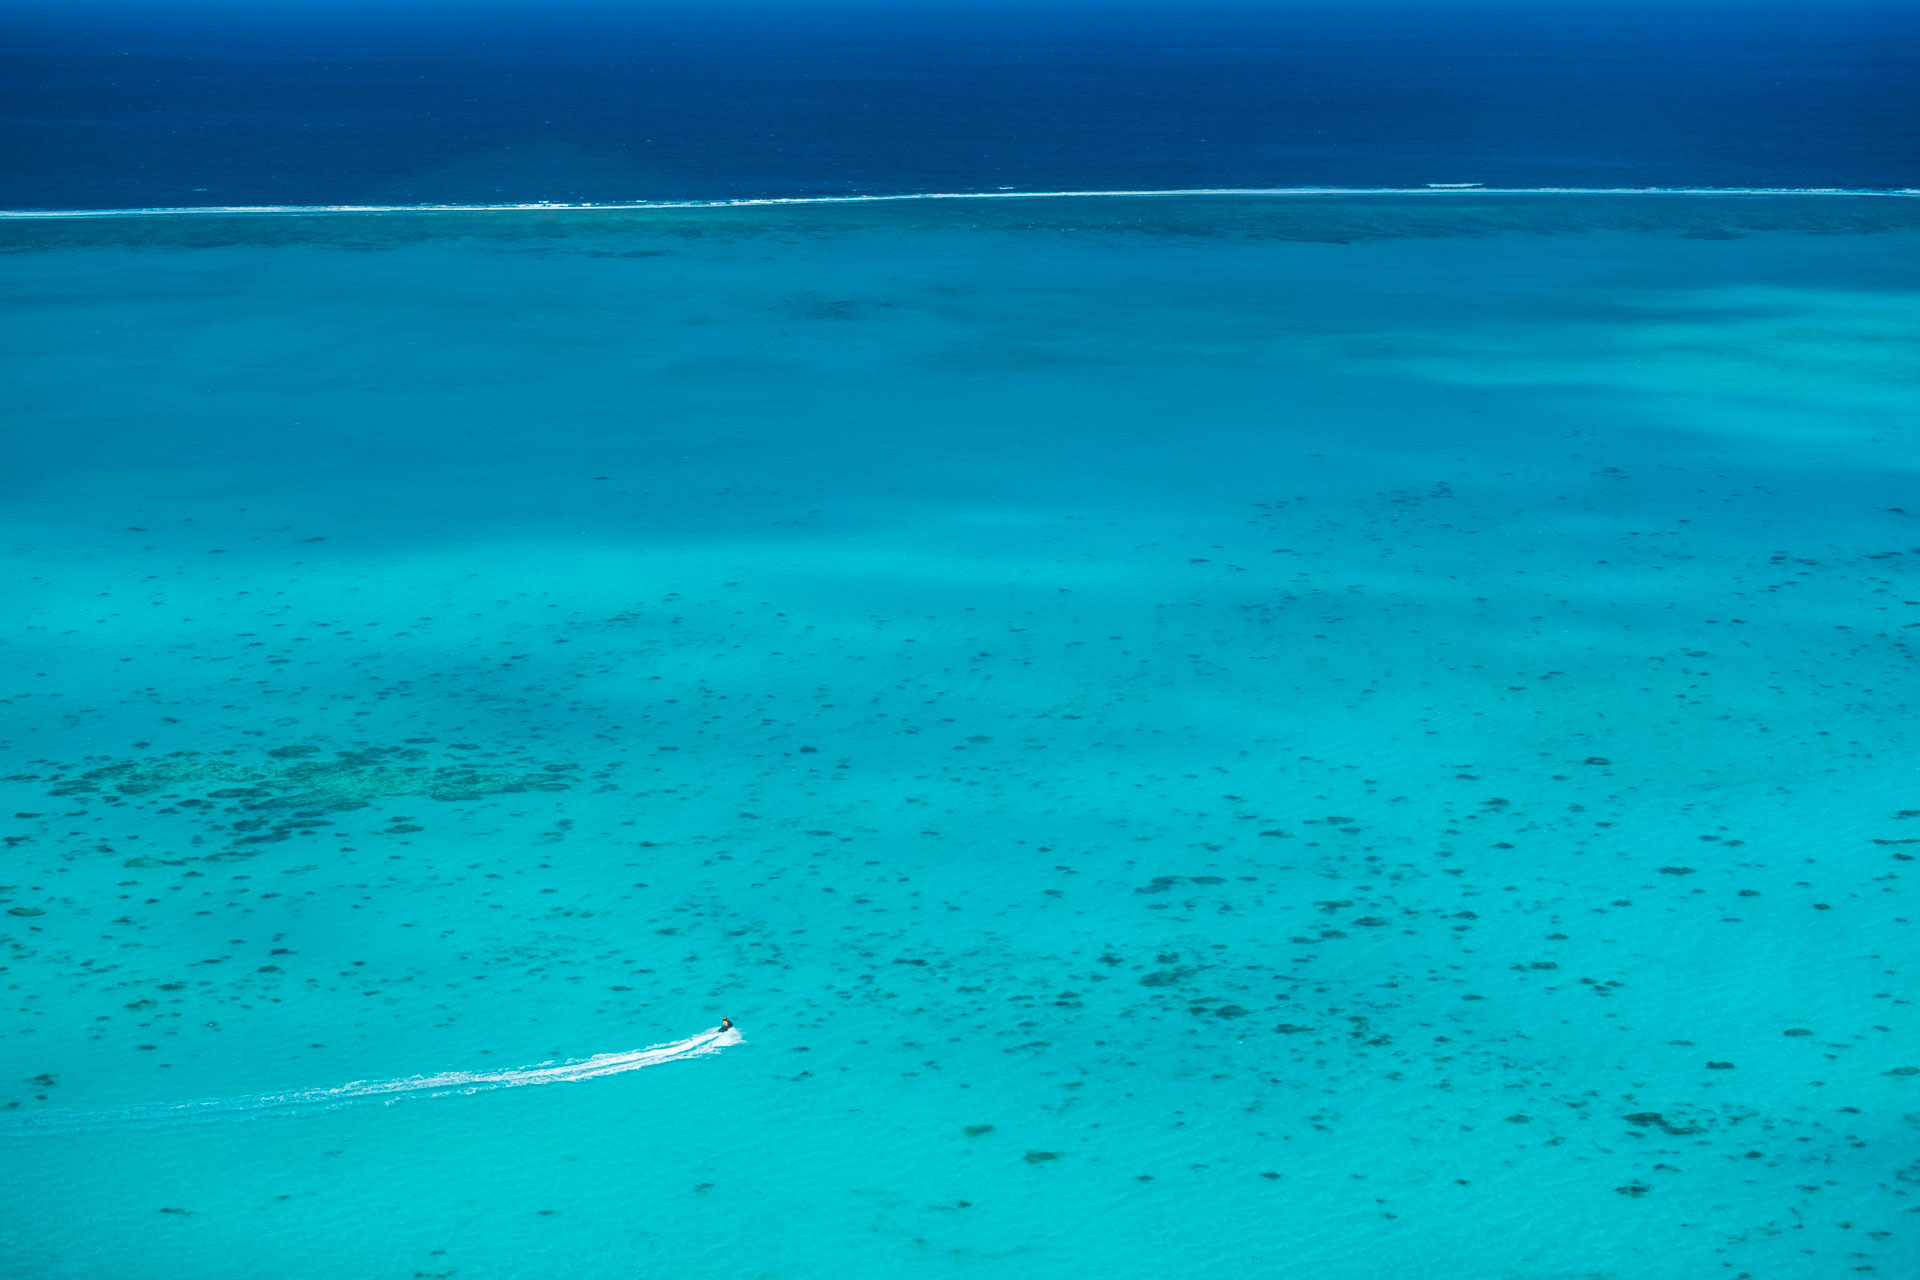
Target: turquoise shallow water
{"x": 1338, "y": 738}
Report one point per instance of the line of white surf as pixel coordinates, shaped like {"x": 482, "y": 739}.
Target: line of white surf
{"x": 306, "y": 1101}
{"x": 283, "y": 210}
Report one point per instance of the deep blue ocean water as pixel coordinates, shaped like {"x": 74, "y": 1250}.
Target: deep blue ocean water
{"x": 1341, "y": 735}
{"x": 116, "y": 105}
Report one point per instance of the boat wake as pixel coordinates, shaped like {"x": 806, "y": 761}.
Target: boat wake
{"x": 308, "y": 1101}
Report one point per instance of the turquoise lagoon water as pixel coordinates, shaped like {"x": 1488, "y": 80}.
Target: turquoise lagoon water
{"x": 1309, "y": 737}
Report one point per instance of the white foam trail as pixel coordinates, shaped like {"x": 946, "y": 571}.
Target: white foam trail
{"x": 304, "y": 1101}
{"x": 1447, "y": 189}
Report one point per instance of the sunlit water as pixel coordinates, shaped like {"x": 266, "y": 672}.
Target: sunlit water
{"x": 1346, "y": 737}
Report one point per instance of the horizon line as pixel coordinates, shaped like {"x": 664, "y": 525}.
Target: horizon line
{"x": 1430, "y": 189}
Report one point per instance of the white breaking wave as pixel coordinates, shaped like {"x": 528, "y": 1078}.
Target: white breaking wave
{"x": 1430, "y": 189}
{"x": 305, "y": 1101}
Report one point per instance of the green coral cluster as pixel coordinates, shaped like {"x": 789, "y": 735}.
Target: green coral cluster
{"x": 350, "y": 780}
